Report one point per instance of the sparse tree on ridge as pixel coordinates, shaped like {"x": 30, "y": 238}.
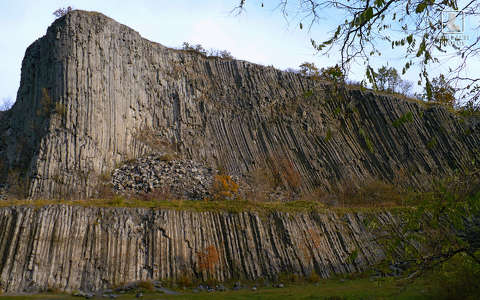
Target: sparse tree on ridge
{"x": 334, "y": 74}
{"x": 387, "y": 79}
{"x": 441, "y": 91}
{"x": 225, "y": 54}
{"x": 309, "y": 69}
{"x": 62, "y": 11}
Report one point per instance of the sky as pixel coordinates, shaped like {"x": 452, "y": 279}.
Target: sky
{"x": 259, "y": 35}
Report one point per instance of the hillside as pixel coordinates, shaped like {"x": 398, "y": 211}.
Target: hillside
{"x": 94, "y": 94}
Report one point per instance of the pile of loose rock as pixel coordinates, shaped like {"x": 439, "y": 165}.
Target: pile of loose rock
{"x": 179, "y": 178}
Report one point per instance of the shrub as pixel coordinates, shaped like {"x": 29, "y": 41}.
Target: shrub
{"x": 371, "y": 193}
{"x": 105, "y": 177}
{"x": 328, "y": 136}
{"x": 288, "y": 278}
{"x": 60, "y": 109}
{"x": 224, "y": 187}
{"x": 309, "y": 70}
{"x": 146, "y": 284}
{"x": 316, "y": 195}
{"x": 62, "y": 11}
{"x": 432, "y": 143}
{"x": 333, "y": 74}
{"x": 45, "y": 104}
{"x": 194, "y": 48}
{"x": 157, "y": 194}
{"x": 367, "y": 140}
{"x": 457, "y": 279}
{"x": 184, "y": 280}
{"x": 377, "y": 192}
{"x": 406, "y": 118}
{"x": 208, "y": 259}
{"x": 225, "y": 54}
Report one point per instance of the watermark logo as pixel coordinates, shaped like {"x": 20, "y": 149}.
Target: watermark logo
{"x": 453, "y": 28}
{"x": 453, "y": 22}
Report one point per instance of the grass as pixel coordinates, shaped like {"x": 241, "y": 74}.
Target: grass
{"x": 236, "y": 205}
{"x": 325, "y": 289}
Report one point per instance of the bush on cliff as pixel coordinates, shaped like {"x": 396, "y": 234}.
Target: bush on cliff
{"x": 224, "y": 188}
{"x": 62, "y": 11}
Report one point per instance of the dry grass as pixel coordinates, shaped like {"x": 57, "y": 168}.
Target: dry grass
{"x": 371, "y": 193}
{"x": 146, "y": 285}
{"x": 161, "y": 193}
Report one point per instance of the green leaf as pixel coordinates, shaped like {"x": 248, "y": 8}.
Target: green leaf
{"x": 410, "y": 39}
{"x": 301, "y": 26}
{"x": 421, "y": 7}
{"x": 421, "y": 48}
{"x": 379, "y": 3}
{"x": 368, "y": 13}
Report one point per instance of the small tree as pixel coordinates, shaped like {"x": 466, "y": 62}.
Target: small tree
{"x": 387, "y": 79}
{"x": 441, "y": 91}
{"x": 334, "y": 74}
{"x": 309, "y": 69}
{"x": 405, "y": 87}
{"x": 225, "y": 54}
{"x": 197, "y": 48}
{"x": 62, "y": 11}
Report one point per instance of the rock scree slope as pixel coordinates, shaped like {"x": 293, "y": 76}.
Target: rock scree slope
{"x": 94, "y": 93}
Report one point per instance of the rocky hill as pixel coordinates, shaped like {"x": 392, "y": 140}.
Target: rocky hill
{"x": 94, "y": 94}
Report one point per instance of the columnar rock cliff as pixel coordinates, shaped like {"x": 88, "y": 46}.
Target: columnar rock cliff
{"x": 75, "y": 248}
{"x": 95, "y": 93}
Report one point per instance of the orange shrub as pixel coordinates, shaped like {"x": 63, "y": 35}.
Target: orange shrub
{"x": 224, "y": 187}
{"x": 208, "y": 258}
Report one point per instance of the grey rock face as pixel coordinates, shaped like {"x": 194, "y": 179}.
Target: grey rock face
{"x": 114, "y": 96}
{"x": 88, "y": 249}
